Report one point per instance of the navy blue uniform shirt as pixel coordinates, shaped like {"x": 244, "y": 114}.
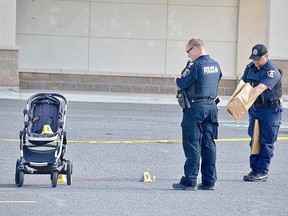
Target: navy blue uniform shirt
{"x": 268, "y": 75}
{"x": 200, "y": 79}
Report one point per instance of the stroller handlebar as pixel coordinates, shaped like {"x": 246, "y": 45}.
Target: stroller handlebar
{"x": 47, "y": 95}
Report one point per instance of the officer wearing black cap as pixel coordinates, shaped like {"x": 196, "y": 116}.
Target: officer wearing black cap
{"x": 200, "y": 81}
{"x": 265, "y": 77}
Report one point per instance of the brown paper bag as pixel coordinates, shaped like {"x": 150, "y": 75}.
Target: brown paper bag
{"x": 239, "y": 105}
{"x": 236, "y": 108}
{"x": 255, "y": 145}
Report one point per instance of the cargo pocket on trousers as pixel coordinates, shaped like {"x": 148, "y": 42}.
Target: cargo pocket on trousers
{"x": 274, "y": 132}
{"x": 215, "y": 126}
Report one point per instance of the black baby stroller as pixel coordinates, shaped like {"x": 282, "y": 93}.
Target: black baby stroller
{"x": 43, "y": 139}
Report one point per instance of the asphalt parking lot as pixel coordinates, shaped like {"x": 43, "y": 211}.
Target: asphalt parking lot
{"x": 113, "y": 139}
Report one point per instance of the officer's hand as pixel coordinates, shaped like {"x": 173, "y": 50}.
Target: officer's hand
{"x": 188, "y": 63}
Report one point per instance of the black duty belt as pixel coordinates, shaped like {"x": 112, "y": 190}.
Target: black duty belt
{"x": 272, "y": 103}
{"x": 201, "y": 99}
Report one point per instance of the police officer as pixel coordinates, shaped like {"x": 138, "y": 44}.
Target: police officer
{"x": 200, "y": 119}
{"x": 265, "y": 77}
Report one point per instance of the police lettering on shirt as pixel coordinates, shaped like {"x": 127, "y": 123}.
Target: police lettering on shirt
{"x": 210, "y": 69}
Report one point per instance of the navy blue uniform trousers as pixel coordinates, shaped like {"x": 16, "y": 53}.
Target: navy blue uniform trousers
{"x": 269, "y": 122}
{"x": 199, "y": 129}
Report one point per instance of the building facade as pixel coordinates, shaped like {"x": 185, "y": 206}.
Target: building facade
{"x": 132, "y": 45}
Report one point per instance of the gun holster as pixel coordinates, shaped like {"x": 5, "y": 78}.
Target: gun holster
{"x": 181, "y": 98}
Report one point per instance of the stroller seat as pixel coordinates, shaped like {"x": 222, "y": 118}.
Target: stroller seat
{"x": 44, "y": 112}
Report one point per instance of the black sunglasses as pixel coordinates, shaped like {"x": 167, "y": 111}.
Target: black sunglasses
{"x": 190, "y": 49}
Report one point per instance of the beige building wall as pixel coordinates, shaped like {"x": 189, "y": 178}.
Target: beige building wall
{"x": 123, "y": 38}
{"x": 278, "y": 29}
{"x": 253, "y": 28}
{"x": 132, "y": 45}
{"x": 263, "y": 21}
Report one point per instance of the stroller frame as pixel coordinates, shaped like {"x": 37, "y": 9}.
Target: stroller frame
{"x": 43, "y": 153}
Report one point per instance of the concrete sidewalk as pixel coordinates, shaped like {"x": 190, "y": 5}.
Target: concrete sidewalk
{"x": 107, "y": 97}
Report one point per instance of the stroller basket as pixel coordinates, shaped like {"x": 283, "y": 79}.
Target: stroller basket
{"x": 36, "y": 156}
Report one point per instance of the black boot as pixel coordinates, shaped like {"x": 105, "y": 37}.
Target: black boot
{"x": 184, "y": 185}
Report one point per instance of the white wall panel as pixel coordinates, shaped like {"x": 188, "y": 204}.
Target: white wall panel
{"x": 7, "y": 23}
{"x": 176, "y": 57}
{"x": 208, "y": 23}
{"x": 209, "y": 3}
{"x": 222, "y": 52}
{"x": 126, "y": 37}
{"x": 53, "y": 54}
{"x": 120, "y": 56}
{"x": 225, "y": 54}
{"x": 134, "y": 1}
{"x": 53, "y": 17}
{"x": 128, "y": 20}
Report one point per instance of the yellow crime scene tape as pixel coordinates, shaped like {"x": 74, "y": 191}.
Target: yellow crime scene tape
{"x": 141, "y": 141}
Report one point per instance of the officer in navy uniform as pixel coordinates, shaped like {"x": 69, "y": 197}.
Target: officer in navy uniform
{"x": 200, "y": 81}
{"x": 265, "y": 77}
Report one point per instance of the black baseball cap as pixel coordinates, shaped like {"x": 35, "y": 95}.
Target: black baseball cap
{"x": 257, "y": 52}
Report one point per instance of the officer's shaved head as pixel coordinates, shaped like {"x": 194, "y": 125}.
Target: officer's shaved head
{"x": 195, "y": 48}
{"x": 195, "y": 42}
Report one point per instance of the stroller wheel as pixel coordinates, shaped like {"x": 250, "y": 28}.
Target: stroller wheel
{"x": 54, "y": 177}
{"x": 19, "y": 178}
{"x": 64, "y": 138}
{"x": 69, "y": 172}
{"x": 17, "y": 164}
{"x": 19, "y": 175}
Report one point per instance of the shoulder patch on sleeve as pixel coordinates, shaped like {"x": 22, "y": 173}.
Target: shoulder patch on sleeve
{"x": 186, "y": 72}
{"x": 271, "y": 73}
